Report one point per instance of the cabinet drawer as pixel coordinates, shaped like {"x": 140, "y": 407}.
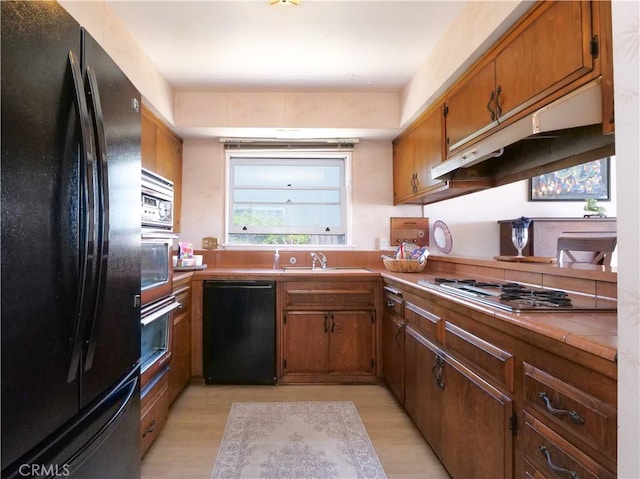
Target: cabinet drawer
{"x": 481, "y": 356}
{"x": 393, "y": 302}
{"x": 572, "y": 410}
{"x": 154, "y": 412}
{"x": 554, "y": 457}
{"x": 330, "y": 294}
{"x": 183, "y": 296}
{"x": 422, "y": 320}
{"x": 531, "y": 472}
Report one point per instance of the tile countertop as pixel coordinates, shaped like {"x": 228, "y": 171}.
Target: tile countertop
{"x": 592, "y": 332}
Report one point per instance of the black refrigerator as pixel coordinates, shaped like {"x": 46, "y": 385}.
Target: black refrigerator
{"x": 70, "y": 272}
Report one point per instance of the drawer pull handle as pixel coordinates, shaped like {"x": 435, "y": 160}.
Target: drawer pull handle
{"x": 150, "y": 429}
{"x": 438, "y": 366}
{"x": 391, "y": 304}
{"x": 575, "y": 417}
{"x": 547, "y": 454}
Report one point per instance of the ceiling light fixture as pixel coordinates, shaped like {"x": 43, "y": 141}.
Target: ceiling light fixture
{"x": 284, "y": 2}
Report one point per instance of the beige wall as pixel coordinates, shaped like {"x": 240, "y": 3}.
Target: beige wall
{"x": 626, "y": 62}
{"x": 473, "y": 218}
{"x": 107, "y": 29}
{"x": 203, "y": 200}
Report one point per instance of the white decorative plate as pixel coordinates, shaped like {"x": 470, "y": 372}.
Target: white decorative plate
{"x": 442, "y": 237}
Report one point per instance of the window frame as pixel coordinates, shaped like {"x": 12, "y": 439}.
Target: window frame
{"x": 298, "y": 156}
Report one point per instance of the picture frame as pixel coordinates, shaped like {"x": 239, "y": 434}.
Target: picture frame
{"x": 577, "y": 183}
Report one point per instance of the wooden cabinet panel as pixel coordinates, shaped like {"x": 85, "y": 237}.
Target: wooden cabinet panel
{"x": 325, "y": 295}
{"x": 482, "y": 356}
{"x": 571, "y": 409}
{"x": 549, "y": 53}
{"x": 428, "y": 148}
{"x": 162, "y": 154}
{"x": 148, "y": 141}
{"x": 351, "y": 342}
{"x": 329, "y": 331}
{"x": 477, "y": 425}
{"x": 306, "y": 343}
{"x": 425, "y": 321}
{"x": 403, "y": 168}
{"x": 470, "y": 106}
{"x": 154, "y": 410}
{"x": 180, "y": 371}
{"x": 423, "y": 396}
{"x": 554, "y": 456}
{"x": 393, "y": 343}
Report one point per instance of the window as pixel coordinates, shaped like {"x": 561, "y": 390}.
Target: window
{"x": 287, "y": 198}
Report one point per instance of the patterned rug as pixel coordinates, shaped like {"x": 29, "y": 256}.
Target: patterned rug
{"x": 302, "y": 440}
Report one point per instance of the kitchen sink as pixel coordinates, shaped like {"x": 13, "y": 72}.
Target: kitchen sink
{"x": 336, "y": 269}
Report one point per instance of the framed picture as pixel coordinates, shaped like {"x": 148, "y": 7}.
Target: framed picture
{"x": 588, "y": 180}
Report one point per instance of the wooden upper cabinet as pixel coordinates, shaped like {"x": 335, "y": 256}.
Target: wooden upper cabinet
{"x": 470, "y": 107}
{"x": 548, "y": 51}
{"x": 551, "y": 51}
{"x": 403, "y": 168}
{"x": 413, "y": 156}
{"x": 148, "y": 141}
{"x": 428, "y": 148}
{"x": 162, "y": 154}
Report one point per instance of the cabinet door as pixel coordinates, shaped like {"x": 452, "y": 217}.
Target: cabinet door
{"x": 351, "y": 343}
{"x": 403, "y": 169}
{"x": 476, "y": 419}
{"x": 393, "y": 354}
{"x": 549, "y": 52}
{"x": 423, "y": 397}
{"x": 180, "y": 371}
{"x": 470, "y": 107}
{"x": 148, "y": 141}
{"x": 306, "y": 342}
{"x": 169, "y": 165}
{"x": 428, "y": 148}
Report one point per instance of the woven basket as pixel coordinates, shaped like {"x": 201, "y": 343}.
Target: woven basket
{"x": 404, "y": 265}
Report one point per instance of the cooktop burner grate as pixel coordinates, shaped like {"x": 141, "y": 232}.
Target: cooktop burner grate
{"x": 516, "y": 297}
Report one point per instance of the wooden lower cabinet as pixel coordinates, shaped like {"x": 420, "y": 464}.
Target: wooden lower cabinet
{"x": 329, "y": 331}
{"x": 154, "y": 409}
{"x": 330, "y": 343}
{"x": 494, "y": 400}
{"x": 180, "y": 371}
{"x": 393, "y": 354}
{"x": 465, "y": 419}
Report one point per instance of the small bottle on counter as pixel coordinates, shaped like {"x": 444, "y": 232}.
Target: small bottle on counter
{"x": 276, "y": 260}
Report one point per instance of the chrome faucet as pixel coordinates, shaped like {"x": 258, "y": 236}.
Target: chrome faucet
{"x": 320, "y": 258}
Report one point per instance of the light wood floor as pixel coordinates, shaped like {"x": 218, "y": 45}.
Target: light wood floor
{"x": 187, "y": 447}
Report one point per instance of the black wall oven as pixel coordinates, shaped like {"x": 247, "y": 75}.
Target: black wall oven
{"x": 156, "y": 270}
{"x": 155, "y": 351}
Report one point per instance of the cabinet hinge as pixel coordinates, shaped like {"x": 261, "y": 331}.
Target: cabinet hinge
{"x": 445, "y": 110}
{"x": 513, "y": 424}
{"x": 594, "y": 46}
{"x": 284, "y": 318}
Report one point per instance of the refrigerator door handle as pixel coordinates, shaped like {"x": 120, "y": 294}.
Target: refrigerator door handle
{"x": 103, "y": 213}
{"x": 87, "y": 220}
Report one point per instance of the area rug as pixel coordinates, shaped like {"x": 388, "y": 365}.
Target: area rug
{"x": 302, "y": 440}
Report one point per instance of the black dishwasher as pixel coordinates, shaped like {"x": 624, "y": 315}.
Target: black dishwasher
{"x": 239, "y": 332}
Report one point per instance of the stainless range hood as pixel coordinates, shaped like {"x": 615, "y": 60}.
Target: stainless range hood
{"x": 580, "y": 108}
